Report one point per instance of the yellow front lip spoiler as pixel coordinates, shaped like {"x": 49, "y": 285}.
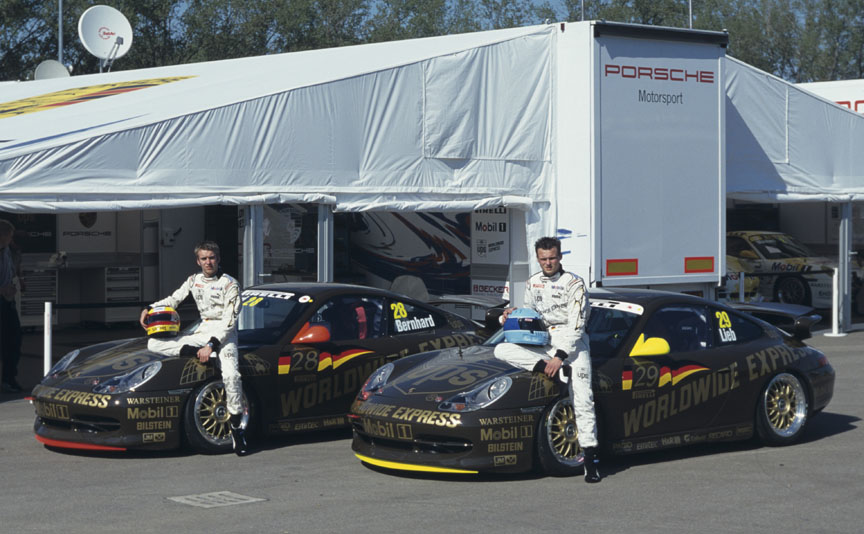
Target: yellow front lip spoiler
{"x": 412, "y": 467}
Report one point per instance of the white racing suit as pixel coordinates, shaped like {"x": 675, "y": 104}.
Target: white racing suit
{"x": 218, "y": 301}
{"x": 562, "y": 301}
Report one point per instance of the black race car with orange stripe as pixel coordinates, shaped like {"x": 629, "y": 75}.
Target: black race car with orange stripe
{"x": 668, "y": 370}
{"x": 305, "y": 350}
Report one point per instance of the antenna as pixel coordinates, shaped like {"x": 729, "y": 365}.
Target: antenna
{"x": 105, "y": 33}
{"x": 50, "y": 68}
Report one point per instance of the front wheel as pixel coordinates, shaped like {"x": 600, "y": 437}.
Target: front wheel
{"x": 206, "y": 418}
{"x": 792, "y": 290}
{"x": 781, "y": 413}
{"x": 557, "y": 440}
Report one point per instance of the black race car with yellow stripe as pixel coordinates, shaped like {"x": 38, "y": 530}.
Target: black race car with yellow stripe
{"x": 668, "y": 370}
{"x": 305, "y": 350}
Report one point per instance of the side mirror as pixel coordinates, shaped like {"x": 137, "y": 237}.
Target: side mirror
{"x": 311, "y": 334}
{"x": 653, "y": 346}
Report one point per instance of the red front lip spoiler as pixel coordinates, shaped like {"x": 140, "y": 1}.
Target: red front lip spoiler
{"x": 73, "y": 445}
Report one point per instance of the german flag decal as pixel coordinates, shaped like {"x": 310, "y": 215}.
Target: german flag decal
{"x": 626, "y": 380}
{"x": 348, "y": 355}
{"x": 284, "y": 365}
{"x": 628, "y": 267}
{"x": 682, "y": 373}
{"x": 79, "y": 95}
{"x": 667, "y": 376}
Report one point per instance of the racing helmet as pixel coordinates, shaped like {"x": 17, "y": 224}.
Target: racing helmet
{"x": 526, "y": 327}
{"x": 163, "y": 321}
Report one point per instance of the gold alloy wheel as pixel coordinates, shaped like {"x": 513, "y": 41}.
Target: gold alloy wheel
{"x": 785, "y": 405}
{"x": 211, "y": 414}
{"x": 212, "y": 419}
{"x": 562, "y": 434}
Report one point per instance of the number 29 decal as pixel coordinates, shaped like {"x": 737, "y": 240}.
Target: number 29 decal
{"x": 724, "y": 323}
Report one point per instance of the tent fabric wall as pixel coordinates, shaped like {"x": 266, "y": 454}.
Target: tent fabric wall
{"x": 450, "y": 123}
{"x": 785, "y": 144}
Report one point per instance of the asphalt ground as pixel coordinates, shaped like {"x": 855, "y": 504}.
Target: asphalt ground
{"x": 315, "y": 484}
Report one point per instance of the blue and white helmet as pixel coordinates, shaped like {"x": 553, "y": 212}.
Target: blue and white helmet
{"x": 526, "y": 327}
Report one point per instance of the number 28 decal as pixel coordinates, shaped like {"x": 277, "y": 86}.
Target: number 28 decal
{"x": 399, "y": 311}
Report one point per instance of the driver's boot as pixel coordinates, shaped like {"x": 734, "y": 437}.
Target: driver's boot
{"x": 238, "y": 435}
{"x": 592, "y": 472}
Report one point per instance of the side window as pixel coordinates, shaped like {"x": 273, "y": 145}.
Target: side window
{"x": 735, "y": 328}
{"x": 405, "y": 318}
{"x": 352, "y": 317}
{"x": 685, "y": 327}
{"x": 606, "y": 329}
{"x": 738, "y": 247}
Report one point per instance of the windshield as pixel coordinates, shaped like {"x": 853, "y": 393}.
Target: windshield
{"x": 265, "y": 316}
{"x": 775, "y": 247}
{"x": 608, "y": 325}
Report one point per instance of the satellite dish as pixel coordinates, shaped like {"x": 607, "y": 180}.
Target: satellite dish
{"x": 105, "y": 33}
{"x": 50, "y": 68}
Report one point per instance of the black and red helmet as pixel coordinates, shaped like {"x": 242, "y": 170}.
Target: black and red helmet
{"x": 163, "y": 321}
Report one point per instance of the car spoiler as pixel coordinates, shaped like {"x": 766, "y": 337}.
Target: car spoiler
{"x": 794, "y": 319}
{"x": 802, "y": 328}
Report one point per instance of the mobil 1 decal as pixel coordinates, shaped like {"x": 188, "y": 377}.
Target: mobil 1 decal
{"x": 658, "y": 110}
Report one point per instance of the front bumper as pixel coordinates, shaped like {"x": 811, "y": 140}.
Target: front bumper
{"x": 500, "y": 441}
{"x": 75, "y": 419}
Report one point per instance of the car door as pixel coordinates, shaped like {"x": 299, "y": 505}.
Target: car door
{"x": 672, "y": 380}
{"x": 745, "y": 349}
{"x": 329, "y": 359}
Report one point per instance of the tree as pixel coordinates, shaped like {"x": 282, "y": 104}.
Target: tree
{"x": 23, "y": 38}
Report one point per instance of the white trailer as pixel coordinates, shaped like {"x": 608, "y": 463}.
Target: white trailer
{"x": 639, "y": 157}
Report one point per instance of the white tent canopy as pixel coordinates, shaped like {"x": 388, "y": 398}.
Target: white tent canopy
{"x": 448, "y": 123}
{"x": 786, "y": 144}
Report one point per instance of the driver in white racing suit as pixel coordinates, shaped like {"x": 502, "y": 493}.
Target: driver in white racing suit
{"x": 561, "y": 298}
{"x": 217, "y": 296}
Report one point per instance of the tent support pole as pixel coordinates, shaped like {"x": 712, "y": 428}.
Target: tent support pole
{"x": 253, "y": 244}
{"x": 845, "y": 254}
{"x": 325, "y": 243}
{"x": 520, "y": 256}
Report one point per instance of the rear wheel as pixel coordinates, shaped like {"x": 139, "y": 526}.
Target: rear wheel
{"x": 557, "y": 440}
{"x": 781, "y": 413}
{"x": 206, "y": 418}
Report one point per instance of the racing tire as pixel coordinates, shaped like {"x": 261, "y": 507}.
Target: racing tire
{"x": 792, "y": 290}
{"x": 557, "y": 440}
{"x": 781, "y": 412}
{"x": 206, "y": 419}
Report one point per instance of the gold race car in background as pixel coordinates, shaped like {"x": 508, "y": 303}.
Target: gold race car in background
{"x": 786, "y": 269}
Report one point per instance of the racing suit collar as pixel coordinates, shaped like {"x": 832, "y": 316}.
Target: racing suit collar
{"x": 554, "y": 277}
{"x": 216, "y": 276}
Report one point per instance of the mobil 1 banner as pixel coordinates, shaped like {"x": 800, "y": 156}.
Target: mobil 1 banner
{"x": 490, "y": 243}
{"x": 661, "y": 179}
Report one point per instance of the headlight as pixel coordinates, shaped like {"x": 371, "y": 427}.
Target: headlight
{"x": 64, "y": 362}
{"x": 479, "y": 397}
{"x": 375, "y": 382}
{"x": 129, "y": 381}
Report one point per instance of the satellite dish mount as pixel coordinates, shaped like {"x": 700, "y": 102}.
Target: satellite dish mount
{"x": 105, "y": 33}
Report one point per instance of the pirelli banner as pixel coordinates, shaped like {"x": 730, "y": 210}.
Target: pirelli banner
{"x": 661, "y": 156}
